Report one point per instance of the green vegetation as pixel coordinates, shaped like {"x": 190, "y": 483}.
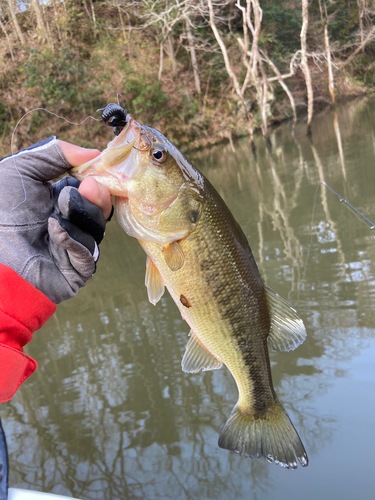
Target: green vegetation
{"x": 73, "y": 58}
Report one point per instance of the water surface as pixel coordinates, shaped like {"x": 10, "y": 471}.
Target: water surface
{"x": 110, "y": 415}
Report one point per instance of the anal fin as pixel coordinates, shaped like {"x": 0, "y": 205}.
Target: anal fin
{"x": 154, "y": 282}
{"x": 197, "y": 358}
{"x": 287, "y": 329}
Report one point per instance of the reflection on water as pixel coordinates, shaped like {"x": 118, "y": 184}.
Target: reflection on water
{"x": 110, "y": 415}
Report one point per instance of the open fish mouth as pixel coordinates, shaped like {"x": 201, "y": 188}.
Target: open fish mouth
{"x": 117, "y": 164}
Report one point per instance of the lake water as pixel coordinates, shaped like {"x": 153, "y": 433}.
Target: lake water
{"x": 110, "y": 415}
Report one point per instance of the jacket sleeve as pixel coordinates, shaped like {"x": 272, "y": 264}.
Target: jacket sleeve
{"x": 23, "y": 310}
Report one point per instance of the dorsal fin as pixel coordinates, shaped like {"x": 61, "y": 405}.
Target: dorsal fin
{"x": 197, "y": 358}
{"x": 287, "y": 329}
{"x": 174, "y": 256}
{"x": 154, "y": 282}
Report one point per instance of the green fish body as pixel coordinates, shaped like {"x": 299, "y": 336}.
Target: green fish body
{"x": 198, "y": 251}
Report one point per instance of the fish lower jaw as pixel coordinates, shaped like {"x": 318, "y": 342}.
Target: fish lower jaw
{"x": 114, "y": 183}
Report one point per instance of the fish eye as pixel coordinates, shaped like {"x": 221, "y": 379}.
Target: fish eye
{"x": 159, "y": 154}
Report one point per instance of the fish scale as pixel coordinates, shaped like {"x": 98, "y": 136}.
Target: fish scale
{"x": 231, "y": 320}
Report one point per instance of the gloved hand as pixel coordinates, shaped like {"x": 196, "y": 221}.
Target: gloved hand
{"x": 48, "y": 234}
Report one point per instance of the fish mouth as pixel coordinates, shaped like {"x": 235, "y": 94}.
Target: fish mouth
{"x": 119, "y": 162}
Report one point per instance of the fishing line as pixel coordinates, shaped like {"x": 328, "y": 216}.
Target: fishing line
{"x": 360, "y": 216}
{"x": 14, "y": 132}
{"x": 356, "y": 212}
{"x": 118, "y": 95}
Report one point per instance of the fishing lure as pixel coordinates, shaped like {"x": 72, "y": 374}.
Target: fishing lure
{"x": 114, "y": 116}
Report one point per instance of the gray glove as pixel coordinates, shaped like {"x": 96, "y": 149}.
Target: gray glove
{"x": 48, "y": 234}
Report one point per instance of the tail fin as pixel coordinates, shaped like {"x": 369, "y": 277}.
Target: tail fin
{"x": 272, "y": 437}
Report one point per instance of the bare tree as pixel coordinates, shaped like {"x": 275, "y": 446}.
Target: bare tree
{"x": 39, "y": 19}
{"x": 253, "y": 59}
{"x": 57, "y": 20}
{"x": 193, "y": 56}
{"x": 12, "y": 10}
{"x": 229, "y": 68}
{"x": 361, "y": 13}
{"x": 164, "y": 17}
{"x": 93, "y": 14}
{"x": 8, "y": 39}
{"x": 280, "y": 79}
{"x": 324, "y": 21}
{"x": 252, "y": 19}
{"x": 369, "y": 38}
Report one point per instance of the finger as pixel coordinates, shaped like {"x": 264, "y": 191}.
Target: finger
{"x": 97, "y": 194}
{"x": 40, "y": 162}
{"x": 76, "y": 155}
{"x": 81, "y": 212}
{"x": 60, "y": 185}
{"x": 74, "y": 233}
{"x": 82, "y": 250}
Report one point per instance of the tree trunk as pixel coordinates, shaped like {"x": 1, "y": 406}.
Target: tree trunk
{"x": 87, "y": 9}
{"x": 15, "y": 22}
{"x": 263, "y": 102}
{"x": 93, "y": 15}
{"x": 361, "y": 12}
{"x": 305, "y": 66}
{"x": 331, "y": 82}
{"x": 161, "y": 62}
{"x": 286, "y": 89}
{"x": 259, "y": 75}
{"x": 49, "y": 36}
{"x": 172, "y": 55}
{"x": 122, "y": 23}
{"x": 57, "y": 21}
{"x": 231, "y": 73}
{"x": 252, "y": 60}
{"x": 39, "y": 19}
{"x": 193, "y": 56}
{"x": 8, "y": 39}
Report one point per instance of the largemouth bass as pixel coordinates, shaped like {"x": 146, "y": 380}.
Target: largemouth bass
{"x": 198, "y": 251}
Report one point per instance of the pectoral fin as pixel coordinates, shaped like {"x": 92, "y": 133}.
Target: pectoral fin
{"x": 174, "y": 256}
{"x": 197, "y": 358}
{"x": 287, "y": 329}
{"x": 154, "y": 282}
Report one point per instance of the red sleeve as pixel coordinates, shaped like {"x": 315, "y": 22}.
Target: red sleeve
{"x": 23, "y": 310}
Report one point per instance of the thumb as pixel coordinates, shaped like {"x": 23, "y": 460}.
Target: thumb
{"x": 76, "y": 155}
